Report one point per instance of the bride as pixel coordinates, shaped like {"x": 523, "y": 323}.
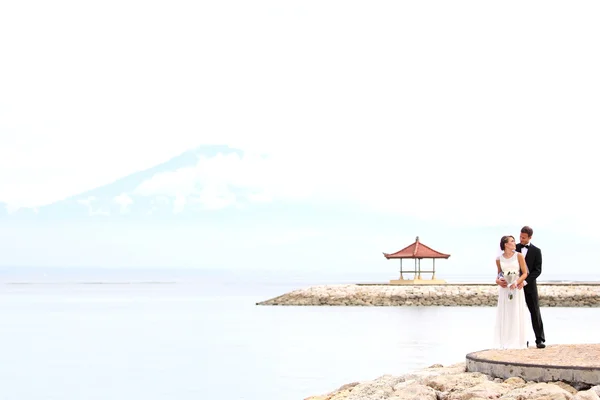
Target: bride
{"x": 512, "y": 309}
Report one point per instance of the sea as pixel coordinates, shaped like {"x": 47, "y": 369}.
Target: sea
{"x": 158, "y": 334}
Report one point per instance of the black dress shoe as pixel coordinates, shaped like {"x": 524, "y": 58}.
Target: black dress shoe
{"x": 540, "y": 345}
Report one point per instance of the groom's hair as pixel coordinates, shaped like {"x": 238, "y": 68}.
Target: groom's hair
{"x": 504, "y": 240}
{"x": 526, "y": 229}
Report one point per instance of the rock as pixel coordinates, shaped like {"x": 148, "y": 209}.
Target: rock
{"x": 389, "y": 380}
{"x": 515, "y": 382}
{"x": 586, "y": 395}
{"x": 455, "y": 382}
{"x": 579, "y": 386}
{"x": 419, "y": 375}
{"x": 340, "y": 393}
{"x": 485, "y": 390}
{"x": 413, "y": 390}
{"x": 460, "y": 365}
{"x": 540, "y": 391}
{"x": 347, "y": 386}
{"x": 580, "y": 295}
{"x": 380, "y": 388}
{"x": 565, "y": 386}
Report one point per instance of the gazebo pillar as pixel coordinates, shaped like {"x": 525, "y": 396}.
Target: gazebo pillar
{"x": 401, "y": 277}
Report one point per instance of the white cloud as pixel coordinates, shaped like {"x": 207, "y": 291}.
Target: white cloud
{"x": 167, "y": 183}
{"x": 88, "y": 203}
{"x": 124, "y": 201}
{"x": 211, "y": 182}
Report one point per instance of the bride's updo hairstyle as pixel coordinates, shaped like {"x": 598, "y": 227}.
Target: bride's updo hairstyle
{"x": 504, "y": 240}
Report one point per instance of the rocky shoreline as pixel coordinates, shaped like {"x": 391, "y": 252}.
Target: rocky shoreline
{"x": 469, "y": 295}
{"x": 455, "y": 383}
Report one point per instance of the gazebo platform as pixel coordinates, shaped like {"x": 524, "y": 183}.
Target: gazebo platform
{"x": 417, "y": 282}
{"x": 570, "y": 363}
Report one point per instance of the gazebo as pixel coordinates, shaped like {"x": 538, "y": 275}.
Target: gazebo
{"x": 416, "y": 251}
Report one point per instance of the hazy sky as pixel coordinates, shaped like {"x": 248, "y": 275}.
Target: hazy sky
{"x": 473, "y": 113}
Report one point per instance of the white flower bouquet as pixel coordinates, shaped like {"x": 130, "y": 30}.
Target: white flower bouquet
{"x": 511, "y": 277}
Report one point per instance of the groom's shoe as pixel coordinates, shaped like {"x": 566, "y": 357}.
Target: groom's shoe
{"x": 540, "y": 345}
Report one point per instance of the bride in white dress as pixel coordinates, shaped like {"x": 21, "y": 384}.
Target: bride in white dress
{"x": 511, "y": 314}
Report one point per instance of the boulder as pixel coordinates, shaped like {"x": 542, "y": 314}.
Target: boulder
{"x": 540, "y": 391}
{"x": 586, "y": 395}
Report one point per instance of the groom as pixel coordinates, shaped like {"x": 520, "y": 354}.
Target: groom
{"x": 533, "y": 259}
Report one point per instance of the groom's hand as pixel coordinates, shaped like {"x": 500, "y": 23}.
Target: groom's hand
{"x": 501, "y": 282}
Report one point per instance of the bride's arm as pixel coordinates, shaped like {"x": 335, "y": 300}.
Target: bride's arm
{"x": 523, "y": 266}
{"x": 499, "y": 281}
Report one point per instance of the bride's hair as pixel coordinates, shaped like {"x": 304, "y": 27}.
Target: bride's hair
{"x": 504, "y": 240}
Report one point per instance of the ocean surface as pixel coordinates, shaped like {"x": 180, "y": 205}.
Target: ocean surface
{"x": 71, "y": 334}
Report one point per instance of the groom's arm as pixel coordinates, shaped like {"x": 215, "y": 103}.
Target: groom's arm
{"x": 536, "y": 268}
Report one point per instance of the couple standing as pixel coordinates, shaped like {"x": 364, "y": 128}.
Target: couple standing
{"x": 519, "y": 265}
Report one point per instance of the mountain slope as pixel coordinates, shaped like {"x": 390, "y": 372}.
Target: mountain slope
{"x": 120, "y": 197}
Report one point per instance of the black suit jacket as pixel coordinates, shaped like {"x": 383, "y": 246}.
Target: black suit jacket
{"x": 533, "y": 259}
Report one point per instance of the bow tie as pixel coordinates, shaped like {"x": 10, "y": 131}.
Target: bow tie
{"x": 526, "y": 246}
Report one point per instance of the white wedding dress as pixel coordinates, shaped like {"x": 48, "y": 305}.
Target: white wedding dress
{"x": 511, "y": 314}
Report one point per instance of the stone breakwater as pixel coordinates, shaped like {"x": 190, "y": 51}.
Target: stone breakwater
{"x": 551, "y": 295}
{"x": 454, "y": 383}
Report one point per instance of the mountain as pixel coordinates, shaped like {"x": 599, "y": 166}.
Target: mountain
{"x": 202, "y": 208}
{"x": 125, "y": 197}
{"x": 205, "y": 208}
{"x": 198, "y": 185}
{"x": 208, "y": 207}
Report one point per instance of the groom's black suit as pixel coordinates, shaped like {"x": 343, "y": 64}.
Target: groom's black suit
{"x": 533, "y": 259}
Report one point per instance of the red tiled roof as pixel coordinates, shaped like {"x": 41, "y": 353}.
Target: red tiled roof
{"x": 416, "y": 250}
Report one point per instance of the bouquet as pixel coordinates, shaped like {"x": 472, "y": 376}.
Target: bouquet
{"x": 511, "y": 277}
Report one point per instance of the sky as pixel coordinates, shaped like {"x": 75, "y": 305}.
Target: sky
{"x": 464, "y": 114}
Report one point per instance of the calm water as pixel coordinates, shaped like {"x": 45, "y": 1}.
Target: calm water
{"x": 205, "y": 338}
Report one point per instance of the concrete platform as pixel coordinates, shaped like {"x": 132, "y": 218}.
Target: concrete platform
{"x": 417, "y": 282}
{"x": 573, "y": 363}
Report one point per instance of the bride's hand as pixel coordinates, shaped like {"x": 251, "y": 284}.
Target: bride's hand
{"x": 513, "y": 286}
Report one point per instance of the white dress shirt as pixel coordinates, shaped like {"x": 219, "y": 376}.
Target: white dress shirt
{"x": 524, "y": 250}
